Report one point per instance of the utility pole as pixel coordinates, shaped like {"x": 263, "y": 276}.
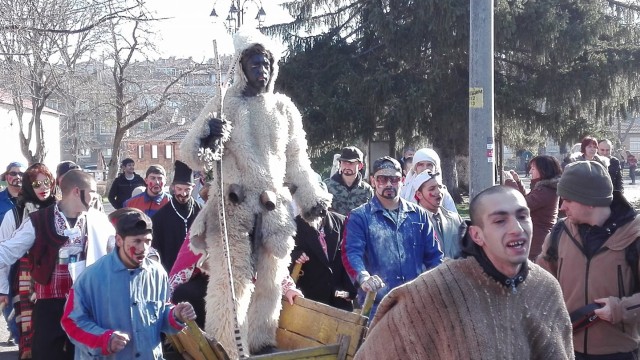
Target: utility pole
{"x": 481, "y": 126}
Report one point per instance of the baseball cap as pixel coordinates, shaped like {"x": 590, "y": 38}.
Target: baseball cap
{"x": 65, "y": 166}
{"x": 11, "y": 165}
{"x": 386, "y": 165}
{"x": 133, "y": 222}
{"x": 350, "y": 154}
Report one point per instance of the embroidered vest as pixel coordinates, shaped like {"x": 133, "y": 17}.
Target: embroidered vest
{"x": 44, "y": 252}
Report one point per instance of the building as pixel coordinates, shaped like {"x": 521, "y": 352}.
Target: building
{"x": 10, "y": 130}
{"x": 159, "y": 146}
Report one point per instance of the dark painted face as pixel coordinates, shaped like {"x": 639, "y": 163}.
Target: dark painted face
{"x": 257, "y": 68}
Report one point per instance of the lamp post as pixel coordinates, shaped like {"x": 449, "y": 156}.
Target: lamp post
{"x": 237, "y": 12}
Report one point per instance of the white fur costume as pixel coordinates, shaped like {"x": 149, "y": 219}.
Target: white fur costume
{"x": 265, "y": 148}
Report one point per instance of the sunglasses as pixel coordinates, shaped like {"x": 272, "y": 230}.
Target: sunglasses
{"x": 36, "y": 184}
{"x": 384, "y": 179}
{"x": 15, "y": 173}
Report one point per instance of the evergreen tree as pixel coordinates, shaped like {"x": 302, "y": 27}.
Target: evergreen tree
{"x": 399, "y": 70}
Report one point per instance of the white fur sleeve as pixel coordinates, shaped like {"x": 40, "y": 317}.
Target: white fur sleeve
{"x": 191, "y": 144}
{"x": 299, "y": 173}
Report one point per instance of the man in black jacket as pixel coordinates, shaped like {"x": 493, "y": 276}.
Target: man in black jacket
{"x": 124, "y": 184}
{"x": 605, "y": 148}
{"x": 323, "y": 277}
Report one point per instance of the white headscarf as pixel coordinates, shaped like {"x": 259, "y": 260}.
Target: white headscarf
{"x": 408, "y": 191}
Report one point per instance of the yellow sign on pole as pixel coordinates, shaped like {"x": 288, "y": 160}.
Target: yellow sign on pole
{"x": 476, "y": 99}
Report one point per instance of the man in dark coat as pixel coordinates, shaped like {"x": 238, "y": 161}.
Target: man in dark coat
{"x": 605, "y": 149}
{"x": 323, "y": 277}
{"x": 172, "y": 221}
{"x": 124, "y": 184}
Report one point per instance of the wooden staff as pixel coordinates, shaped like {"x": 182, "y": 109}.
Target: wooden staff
{"x": 295, "y": 273}
{"x": 368, "y": 303}
{"x": 222, "y": 217}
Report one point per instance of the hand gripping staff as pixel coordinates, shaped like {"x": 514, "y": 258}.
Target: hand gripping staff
{"x": 221, "y": 212}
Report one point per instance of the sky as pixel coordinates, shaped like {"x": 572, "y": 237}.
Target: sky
{"x": 189, "y": 31}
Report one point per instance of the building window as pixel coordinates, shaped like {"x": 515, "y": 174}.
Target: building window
{"x": 154, "y": 151}
{"x": 168, "y": 151}
{"x": 140, "y": 151}
{"x": 108, "y": 152}
{"x": 634, "y": 144}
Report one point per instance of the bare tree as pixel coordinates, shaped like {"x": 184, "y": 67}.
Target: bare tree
{"x": 35, "y": 64}
{"x": 136, "y": 96}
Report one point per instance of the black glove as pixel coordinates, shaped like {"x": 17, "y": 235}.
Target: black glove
{"x": 216, "y": 129}
{"x": 319, "y": 210}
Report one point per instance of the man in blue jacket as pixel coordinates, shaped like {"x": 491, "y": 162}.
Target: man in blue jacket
{"x": 119, "y": 306}
{"x": 389, "y": 241}
{"x": 8, "y": 199}
{"x": 8, "y": 196}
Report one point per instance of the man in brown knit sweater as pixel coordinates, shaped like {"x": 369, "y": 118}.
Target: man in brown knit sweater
{"x": 490, "y": 304}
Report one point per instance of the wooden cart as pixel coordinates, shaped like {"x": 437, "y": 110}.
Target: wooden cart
{"x": 307, "y": 330}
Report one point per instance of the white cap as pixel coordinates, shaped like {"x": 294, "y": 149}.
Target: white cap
{"x": 422, "y": 178}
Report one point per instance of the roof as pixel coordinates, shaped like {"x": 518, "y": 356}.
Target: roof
{"x": 635, "y": 126}
{"x": 6, "y": 99}
{"x": 169, "y": 132}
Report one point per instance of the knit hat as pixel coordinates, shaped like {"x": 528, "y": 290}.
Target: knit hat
{"x": 586, "y": 182}
{"x": 183, "y": 174}
{"x": 133, "y": 222}
{"x": 156, "y": 169}
{"x": 350, "y": 154}
{"x": 387, "y": 166}
{"x": 11, "y": 165}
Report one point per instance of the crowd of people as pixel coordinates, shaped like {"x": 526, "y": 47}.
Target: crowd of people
{"x": 550, "y": 272}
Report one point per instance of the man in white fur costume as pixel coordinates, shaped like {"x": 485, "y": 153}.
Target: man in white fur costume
{"x": 264, "y": 147}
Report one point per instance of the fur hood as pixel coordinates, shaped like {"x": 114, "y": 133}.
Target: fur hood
{"x": 244, "y": 39}
{"x": 550, "y": 183}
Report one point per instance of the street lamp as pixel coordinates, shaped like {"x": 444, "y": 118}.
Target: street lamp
{"x": 235, "y": 16}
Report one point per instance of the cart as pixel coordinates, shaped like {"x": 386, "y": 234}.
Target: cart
{"x": 306, "y": 330}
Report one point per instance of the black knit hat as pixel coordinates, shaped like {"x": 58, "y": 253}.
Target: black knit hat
{"x": 183, "y": 174}
{"x": 586, "y": 182}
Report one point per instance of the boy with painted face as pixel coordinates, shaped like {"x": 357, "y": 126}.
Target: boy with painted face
{"x": 446, "y": 224}
{"x": 119, "y": 306}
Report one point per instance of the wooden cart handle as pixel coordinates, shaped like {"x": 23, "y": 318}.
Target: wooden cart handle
{"x": 368, "y": 303}
{"x": 295, "y": 273}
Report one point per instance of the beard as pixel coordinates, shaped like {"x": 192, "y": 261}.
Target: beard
{"x": 182, "y": 199}
{"x": 389, "y": 193}
{"x": 348, "y": 172}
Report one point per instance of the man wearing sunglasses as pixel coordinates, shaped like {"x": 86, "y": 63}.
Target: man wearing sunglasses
{"x": 389, "y": 241}
{"x": 13, "y": 178}
{"x": 61, "y": 240}
{"x": 8, "y": 197}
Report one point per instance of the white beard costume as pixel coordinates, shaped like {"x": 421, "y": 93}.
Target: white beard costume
{"x": 264, "y": 147}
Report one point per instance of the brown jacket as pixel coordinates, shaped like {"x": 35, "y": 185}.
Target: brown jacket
{"x": 606, "y": 275}
{"x": 542, "y": 201}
